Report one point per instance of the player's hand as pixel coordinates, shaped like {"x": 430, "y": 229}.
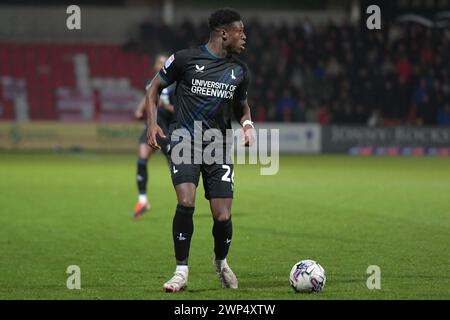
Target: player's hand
{"x": 152, "y": 131}
{"x": 249, "y": 136}
{"x": 138, "y": 114}
{"x": 168, "y": 107}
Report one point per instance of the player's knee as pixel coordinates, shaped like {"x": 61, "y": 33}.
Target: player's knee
{"x": 186, "y": 201}
{"x": 143, "y": 156}
{"x": 222, "y": 214}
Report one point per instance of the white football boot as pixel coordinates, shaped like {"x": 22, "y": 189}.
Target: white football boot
{"x": 226, "y": 275}
{"x": 178, "y": 282}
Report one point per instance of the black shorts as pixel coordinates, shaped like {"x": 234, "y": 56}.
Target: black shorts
{"x": 217, "y": 174}
{"x": 218, "y": 179}
{"x": 164, "y": 119}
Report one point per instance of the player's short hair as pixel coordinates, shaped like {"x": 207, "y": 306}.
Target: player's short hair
{"x": 223, "y": 17}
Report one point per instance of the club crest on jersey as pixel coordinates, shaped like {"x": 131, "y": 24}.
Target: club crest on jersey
{"x": 199, "y": 69}
{"x": 232, "y": 75}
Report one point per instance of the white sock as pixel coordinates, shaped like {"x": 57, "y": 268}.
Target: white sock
{"x": 143, "y": 198}
{"x": 221, "y": 263}
{"x": 183, "y": 268}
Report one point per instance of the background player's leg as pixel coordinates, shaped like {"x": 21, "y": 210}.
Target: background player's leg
{"x": 144, "y": 152}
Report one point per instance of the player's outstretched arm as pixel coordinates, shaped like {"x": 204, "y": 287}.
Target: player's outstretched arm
{"x": 151, "y": 101}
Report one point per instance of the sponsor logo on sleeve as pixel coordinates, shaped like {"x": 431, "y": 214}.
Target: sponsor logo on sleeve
{"x": 169, "y": 61}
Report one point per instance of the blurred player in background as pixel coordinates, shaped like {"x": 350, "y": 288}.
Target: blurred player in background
{"x": 165, "y": 116}
{"x": 194, "y": 71}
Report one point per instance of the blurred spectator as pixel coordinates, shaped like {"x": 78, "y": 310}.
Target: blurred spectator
{"x": 324, "y": 116}
{"x": 261, "y": 114}
{"x": 375, "y": 119}
{"x": 426, "y": 113}
{"x": 421, "y": 91}
{"x": 444, "y": 116}
{"x": 300, "y": 111}
{"x": 335, "y": 74}
{"x": 404, "y": 68}
{"x": 285, "y": 106}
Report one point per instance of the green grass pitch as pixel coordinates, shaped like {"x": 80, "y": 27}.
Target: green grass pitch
{"x": 346, "y": 212}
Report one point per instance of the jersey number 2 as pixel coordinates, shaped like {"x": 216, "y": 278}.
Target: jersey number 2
{"x": 226, "y": 176}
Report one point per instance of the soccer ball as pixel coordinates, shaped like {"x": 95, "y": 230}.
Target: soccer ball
{"x": 307, "y": 276}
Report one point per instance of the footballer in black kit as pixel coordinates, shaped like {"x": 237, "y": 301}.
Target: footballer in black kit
{"x": 165, "y": 117}
{"x": 211, "y": 82}
{"x": 207, "y": 85}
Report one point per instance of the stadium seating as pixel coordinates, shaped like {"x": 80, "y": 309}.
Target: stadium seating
{"x": 71, "y": 81}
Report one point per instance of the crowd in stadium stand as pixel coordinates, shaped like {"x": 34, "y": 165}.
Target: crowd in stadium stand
{"x": 335, "y": 74}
